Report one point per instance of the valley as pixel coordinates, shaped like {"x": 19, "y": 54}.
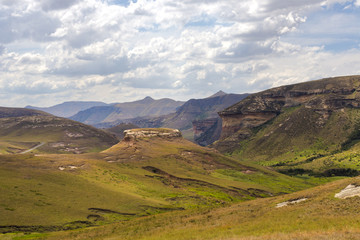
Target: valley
{"x": 278, "y": 169}
{"x": 129, "y": 180}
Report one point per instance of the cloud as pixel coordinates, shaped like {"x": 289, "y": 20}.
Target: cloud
{"x": 25, "y": 21}
{"x": 120, "y": 48}
{"x": 49, "y": 5}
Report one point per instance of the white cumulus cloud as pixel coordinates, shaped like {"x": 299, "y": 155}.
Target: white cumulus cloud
{"x": 110, "y": 50}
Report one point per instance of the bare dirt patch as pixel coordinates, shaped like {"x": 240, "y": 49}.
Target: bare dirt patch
{"x": 350, "y": 191}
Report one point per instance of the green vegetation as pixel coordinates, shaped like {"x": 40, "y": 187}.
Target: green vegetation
{"x": 130, "y": 180}
{"x": 320, "y": 216}
{"x": 153, "y": 187}
{"x": 59, "y": 135}
{"x": 293, "y": 144}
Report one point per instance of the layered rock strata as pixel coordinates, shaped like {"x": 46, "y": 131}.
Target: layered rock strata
{"x": 321, "y": 96}
{"x": 133, "y": 134}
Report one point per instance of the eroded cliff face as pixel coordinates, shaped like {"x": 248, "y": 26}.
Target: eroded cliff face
{"x": 206, "y": 131}
{"x": 322, "y": 97}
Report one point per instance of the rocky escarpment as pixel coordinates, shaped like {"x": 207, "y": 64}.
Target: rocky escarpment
{"x": 320, "y": 99}
{"x": 206, "y": 131}
{"x": 139, "y": 133}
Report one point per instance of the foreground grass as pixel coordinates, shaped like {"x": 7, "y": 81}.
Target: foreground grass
{"x": 320, "y": 217}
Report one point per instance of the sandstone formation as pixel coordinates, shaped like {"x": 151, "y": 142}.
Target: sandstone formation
{"x": 206, "y": 131}
{"x": 133, "y": 134}
{"x": 322, "y": 97}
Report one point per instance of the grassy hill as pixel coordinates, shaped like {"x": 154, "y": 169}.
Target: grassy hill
{"x": 20, "y": 112}
{"x": 311, "y": 214}
{"x": 133, "y": 179}
{"x": 23, "y": 129}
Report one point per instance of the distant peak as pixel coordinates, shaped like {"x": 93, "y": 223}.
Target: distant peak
{"x": 218, "y": 94}
{"x": 146, "y": 100}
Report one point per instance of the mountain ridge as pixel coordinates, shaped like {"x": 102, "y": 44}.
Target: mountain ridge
{"x": 194, "y": 110}
{"x": 121, "y": 111}
{"x": 67, "y": 109}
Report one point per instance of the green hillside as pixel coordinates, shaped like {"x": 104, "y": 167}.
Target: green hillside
{"x": 24, "y": 129}
{"x": 135, "y": 178}
{"x": 310, "y": 214}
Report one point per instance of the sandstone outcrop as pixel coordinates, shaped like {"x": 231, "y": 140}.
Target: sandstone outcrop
{"x": 133, "y": 134}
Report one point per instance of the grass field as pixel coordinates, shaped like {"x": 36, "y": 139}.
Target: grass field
{"x": 44, "y": 193}
{"x": 321, "y": 216}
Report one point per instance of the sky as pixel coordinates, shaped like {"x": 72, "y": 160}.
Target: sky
{"x": 53, "y": 51}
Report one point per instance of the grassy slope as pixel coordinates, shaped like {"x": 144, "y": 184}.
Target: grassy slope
{"x": 121, "y": 181}
{"x": 321, "y": 216}
{"x": 294, "y": 139}
{"x": 21, "y": 133}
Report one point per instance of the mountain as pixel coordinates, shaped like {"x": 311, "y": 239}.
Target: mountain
{"x": 121, "y": 111}
{"x": 68, "y": 109}
{"x": 218, "y": 94}
{"x": 26, "y": 129}
{"x": 19, "y": 112}
{"x": 151, "y": 171}
{"x": 307, "y": 128}
{"x": 197, "y": 118}
{"x": 118, "y": 130}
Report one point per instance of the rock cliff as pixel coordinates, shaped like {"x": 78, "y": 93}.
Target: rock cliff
{"x": 320, "y": 99}
{"x": 133, "y": 134}
{"x": 206, "y": 131}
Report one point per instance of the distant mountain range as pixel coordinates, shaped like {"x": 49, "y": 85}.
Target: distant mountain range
{"x": 197, "y": 118}
{"x": 121, "y": 111}
{"x": 68, "y": 109}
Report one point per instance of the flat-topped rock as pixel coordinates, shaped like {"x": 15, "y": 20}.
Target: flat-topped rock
{"x": 137, "y": 133}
